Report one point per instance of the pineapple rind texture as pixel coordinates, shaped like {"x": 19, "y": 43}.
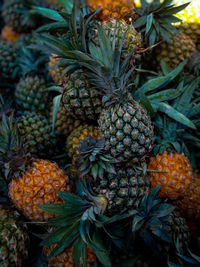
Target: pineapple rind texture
{"x": 173, "y": 172}
{"x": 14, "y": 239}
{"x": 38, "y": 186}
{"x": 128, "y": 131}
{"x": 7, "y": 34}
{"x": 65, "y": 259}
{"x": 55, "y": 71}
{"x": 117, "y": 9}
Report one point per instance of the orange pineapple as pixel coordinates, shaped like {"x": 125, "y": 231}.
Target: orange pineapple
{"x": 80, "y": 133}
{"x": 190, "y": 204}
{"x": 7, "y": 34}
{"x": 38, "y": 186}
{"x": 173, "y": 172}
{"x": 65, "y": 259}
{"x": 113, "y": 9}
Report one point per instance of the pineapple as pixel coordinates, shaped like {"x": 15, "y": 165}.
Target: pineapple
{"x": 25, "y": 40}
{"x": 36, "y": 131}
{"x": 14, "y": 239}
{"x": 65, "y": 259}
{"x": 31, "y": 92}
{"x": 189, "y": 205}
{"x": 190, "y": 20}
{"x": 38, "y": 185}
{"x": 80, "y": 100}
{"x": 80, "y": 133}
{"x": 19, "y": 22}
{"x": 65, "y": 123}
{"x": 174, "y": 52}
{"x": 117, "y": 9}
{"x": 173, "y": 171}
{"x": 56, "y": 71}
{"x": 7, "y": 34}
{"x": 8, "y": 61}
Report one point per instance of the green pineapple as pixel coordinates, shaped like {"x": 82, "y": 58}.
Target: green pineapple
{"x": 37, "y": 133}
{"x": 17, "y": 15}
{"x": 31, "y": 92}
{"x": 25, "y": 40}
{"x": 14, "y": 239}
{"x": 8, "y": 61}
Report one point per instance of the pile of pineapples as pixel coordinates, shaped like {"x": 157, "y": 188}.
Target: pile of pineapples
{"x": 99, "y": 133}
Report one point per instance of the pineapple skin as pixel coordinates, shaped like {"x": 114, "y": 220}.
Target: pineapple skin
{"x": 36, "y": 131}
{"x": 7, "y": 34}
{"x": 80, "y": 100}
{"x": 56, "y": 72}
{"x": 38, "y": 186}
{"x": 8, "y": 56}
{"x": 123, "y": 190}
{"x": 175, "y": 174}
{"x": 65, "y": 259}
{"x": 14, "y": 239}
{"x": 127, "y": 130}
{"x": 31, "y": 94}
{"x": 80, "y": 133}
{"x": 175, "y": 52}
{"x": 117, "y": 9}
{"x": 65, "y": 123}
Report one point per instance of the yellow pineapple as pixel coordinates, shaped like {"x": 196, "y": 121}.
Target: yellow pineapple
{"x": 65, "y": 259}
{"x": 173, "y": 171}
{"x": 55, "y": 71}
{"x": 38, "y": 186}
{"x": 7, "y": 34}
{"x": 190, "y": 17}
{"x": 80, "y": 133}
{"x": 113, "y": 9}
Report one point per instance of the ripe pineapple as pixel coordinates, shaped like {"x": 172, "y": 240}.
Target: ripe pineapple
{"x": 7, "y": 34}
{"x": 80, "y": 133}
{"x": 19, "y": 21}
{"x": 118, "y": 9}
{"x": 56, "y": 72}
{"x": 8, "y": 61}
{"x": 65, "y": 123}
{"x": 190, "y": 23}
{"x": 36, "y": 130}
{"x": 174, "y": 52}
{"x": 189, "y": 205}
{"x": 65, "y": 259}
{"x": 38, "y": 185}
{"x": 80, "y": 99}
{"x": 173, "y": 171}
{"x": 14, "y": 239}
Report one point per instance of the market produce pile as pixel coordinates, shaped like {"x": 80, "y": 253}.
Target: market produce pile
{"x": 99, "y": 133}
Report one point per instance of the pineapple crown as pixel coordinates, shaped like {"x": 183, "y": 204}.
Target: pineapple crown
{"x": 188, "y": 259}
{"x": 32, "y": 62}
{"x": 81, "y": 224}
{"x": 153, "y": 223}
{"x": 93, "y": 159}
{"x": 156, "y": 19}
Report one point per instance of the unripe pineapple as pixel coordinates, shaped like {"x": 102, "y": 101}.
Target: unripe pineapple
{"x": 128, "y": 131}
{"x": 31, "y": 94}
{"x": 7, "y": 34}
{"x": 56, "y": 72}
{"x": 8, "y": 58}
{"x": 190, "y": 23}
{"x": 181, "y": 47}
{"x": 189, "y": 205}
{"x": 117, "y": 9}
{"x": 36, "y": 130}
{"x": 80, "y": 99}
{"x": 18, "y": 21}
{"x": 38, "y": 185}
{"x": 65, "y": 259}
{"x": 25, "y": 40}
{"x": 14, "y": 239}
{"x": 65, "y": 123}
{"x": 173, "y": 171}
{"x": 80, "y": 133}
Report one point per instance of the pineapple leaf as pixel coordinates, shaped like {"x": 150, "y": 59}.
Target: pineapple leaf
{"x": 54, "y": 237}
{"x": 56, "y": 106}
{"x": 48, "y": 13}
